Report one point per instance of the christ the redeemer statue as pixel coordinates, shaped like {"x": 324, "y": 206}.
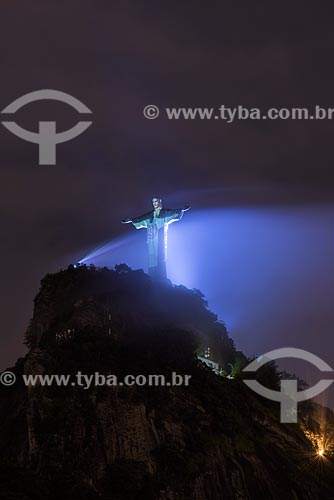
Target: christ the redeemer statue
{"x": 156, "y": 222}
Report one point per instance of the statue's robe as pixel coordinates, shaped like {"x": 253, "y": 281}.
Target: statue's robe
{"x": 156, "y": 223}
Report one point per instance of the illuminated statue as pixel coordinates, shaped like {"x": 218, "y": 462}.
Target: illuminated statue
{"x": 156, "y": 222}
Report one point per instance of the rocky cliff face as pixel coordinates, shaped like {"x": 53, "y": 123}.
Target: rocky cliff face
{"x": 213, "y": 439}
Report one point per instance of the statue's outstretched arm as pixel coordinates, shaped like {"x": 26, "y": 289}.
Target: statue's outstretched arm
{"x": 176, "y": 214}
{"x": 138, "y": 222}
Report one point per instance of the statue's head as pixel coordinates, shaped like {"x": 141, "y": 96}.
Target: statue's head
{"x": 156, "y": 202}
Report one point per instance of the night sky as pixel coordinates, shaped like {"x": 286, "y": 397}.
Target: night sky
{"x": 117, "y": 57}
